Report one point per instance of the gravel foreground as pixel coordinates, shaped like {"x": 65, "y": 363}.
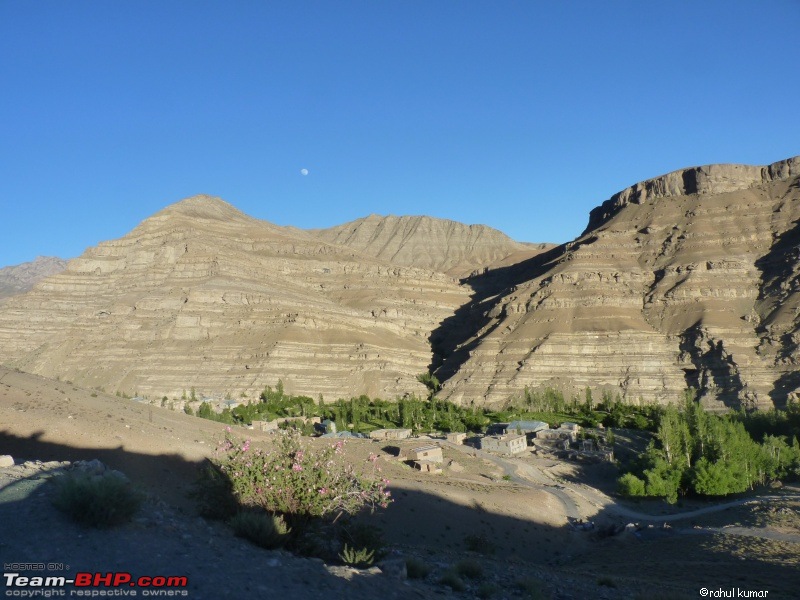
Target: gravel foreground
{"x": 162, "y": 540}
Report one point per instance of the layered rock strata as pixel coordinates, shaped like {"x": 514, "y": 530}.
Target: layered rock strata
{"x": 437, "y": 244}
{"x": 689, "y": 279}
{"x": 202, "y": 296}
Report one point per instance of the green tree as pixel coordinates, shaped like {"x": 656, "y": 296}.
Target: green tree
{"x": 205, "y": 411}
{"x": 630, "y": 485}
{"x": 431, "y": 382}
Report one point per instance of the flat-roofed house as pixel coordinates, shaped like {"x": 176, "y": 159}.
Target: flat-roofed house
{"x": 430, "y": 453}
{"x": 456, "y": 437}
{"x": 508, "y": 444}
{"x": 526, "y": 426}
{"x": 390, "y": 434}
{"x": 265, "y": 425}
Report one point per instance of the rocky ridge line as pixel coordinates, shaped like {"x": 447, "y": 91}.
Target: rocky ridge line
{"x": 18, "y": 279}
{"x": 708, "y": 179}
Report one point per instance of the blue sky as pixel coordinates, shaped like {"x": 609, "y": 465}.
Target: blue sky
{"x": 519, "y": 115}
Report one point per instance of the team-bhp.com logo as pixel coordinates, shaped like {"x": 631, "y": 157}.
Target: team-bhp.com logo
{"x": 95, "y": 584}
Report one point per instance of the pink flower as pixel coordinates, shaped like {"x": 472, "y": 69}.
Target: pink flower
{"x": 323, "y": 491}
{"x": 296, "y": 467}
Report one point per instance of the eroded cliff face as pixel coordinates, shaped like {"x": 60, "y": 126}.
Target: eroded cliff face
{"x": 202, "y": 296}
{"x": 689, "y": 279}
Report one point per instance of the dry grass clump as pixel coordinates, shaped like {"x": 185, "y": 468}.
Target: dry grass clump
{"x": 94, "y": 501}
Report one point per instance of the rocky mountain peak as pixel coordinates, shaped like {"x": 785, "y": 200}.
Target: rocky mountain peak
{"x": 20, "y": 278}
{"x": 707, "y": 179}
{"x": 439, "y": 244}
{"x": 686, "y": 280}
{"x": 203, "y": 206}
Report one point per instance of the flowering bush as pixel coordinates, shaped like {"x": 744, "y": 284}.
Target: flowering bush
{"x": 299, "y": 482}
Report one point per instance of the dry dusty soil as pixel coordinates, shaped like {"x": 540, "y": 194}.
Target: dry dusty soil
{"x": 515, "y": 517}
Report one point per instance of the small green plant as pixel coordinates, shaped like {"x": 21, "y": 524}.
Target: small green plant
{"x": 487, "y": 590}
{"x": 530, "y": 588}
{"x": 265, "y": 530}
{"x": 506, "y": 477}
{"x": 453, "y": 581}
{"x": 416, "y": 568}
{"x": 479, "y": 543}
{"x": 469, "y": 568}
{"x": 96, "y": 501}
{"x": 364, "y": 535}
{"x": 360, "y": 558}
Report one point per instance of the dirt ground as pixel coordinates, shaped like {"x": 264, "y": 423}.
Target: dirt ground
{"x": 520, "y": 518}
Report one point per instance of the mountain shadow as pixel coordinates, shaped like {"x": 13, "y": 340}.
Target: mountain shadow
{"x": 780, "y": 275}
{"x": 459, "y": 334}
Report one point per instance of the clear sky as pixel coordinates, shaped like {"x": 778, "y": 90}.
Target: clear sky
{"x": 519, "y": 115}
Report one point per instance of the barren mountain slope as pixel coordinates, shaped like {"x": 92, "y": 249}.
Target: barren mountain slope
{"x": 436, "y": 244}
{"x": 202, "y": 296}
{"x": 20, "y": 278}
{"x": 689, "y": 279}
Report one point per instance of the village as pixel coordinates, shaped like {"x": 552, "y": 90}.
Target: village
{"x": 568, "y": 441}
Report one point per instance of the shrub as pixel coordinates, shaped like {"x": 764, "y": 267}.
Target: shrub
{"x": 640, "y": 422}
{"x": 451, "y": 579}
{"x": 479, "y": 543}
{"x": 530, "y": 588}
{"x": 363, "y": 557}
{"x": 301, "y": 483}
{"x": 267, "y": 531}
{"x": 213, "y": 493}
{"x": 469, "y": 568}
{"x": 362, "y": 535}
{"x": 317, "y": 539}
{"x": 630, "y": 485}
{"x": 416, "y": 568}
{"x": 96, "y": 501}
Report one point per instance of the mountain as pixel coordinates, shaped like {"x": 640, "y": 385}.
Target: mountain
{"x": 20, "y": 278}
{"x": 203, "y": 296}
{"x": 688, "y": 279}
{"x": 436, "y": 244}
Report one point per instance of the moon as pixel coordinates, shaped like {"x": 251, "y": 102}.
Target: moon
{"x": 303, "y": 172}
